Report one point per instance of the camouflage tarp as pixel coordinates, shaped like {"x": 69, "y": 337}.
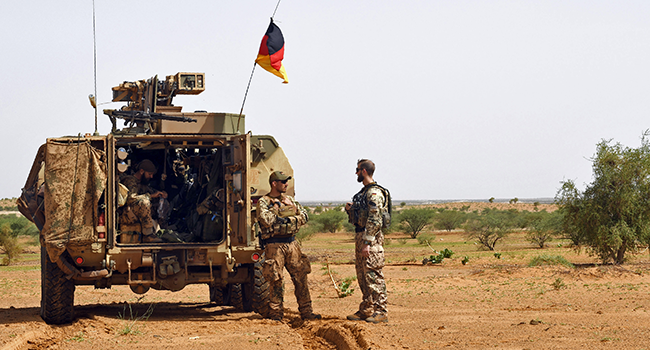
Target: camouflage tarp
{"x": 75, "y": 178}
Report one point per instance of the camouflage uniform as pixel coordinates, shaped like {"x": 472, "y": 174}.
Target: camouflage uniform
{"x": 137, "y": 210}
{"x": 278, "y": 230}
{"x": 368, "y": 223}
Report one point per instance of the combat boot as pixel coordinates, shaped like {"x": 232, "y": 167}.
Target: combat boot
{"x": 377, "y": 318}
{"x": 357, "y": 316}
{"x": 311, "y": 316}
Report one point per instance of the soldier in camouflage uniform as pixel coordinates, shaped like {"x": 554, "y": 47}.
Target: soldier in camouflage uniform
{"x": 280, "y": 217}
{"x": 136, "y": 213}
{"x": 366, "y": 213}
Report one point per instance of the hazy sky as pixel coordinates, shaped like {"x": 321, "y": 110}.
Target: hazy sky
{"x": 451, "y": 99}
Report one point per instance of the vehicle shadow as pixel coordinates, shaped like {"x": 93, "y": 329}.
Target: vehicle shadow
{"x": 177, "y": 312}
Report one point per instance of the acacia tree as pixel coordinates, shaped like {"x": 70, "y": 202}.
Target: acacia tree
{"x": 543, "y": 227}
{"x": 612, "y": 216}
{"x": 414, "y": 220}
{"x": 449, "y": 220}
{"x": 489, "y": 228}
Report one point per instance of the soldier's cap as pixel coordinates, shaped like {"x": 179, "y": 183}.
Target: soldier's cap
{"x": 278, "y": 176}
{"x": 147, "y": 166}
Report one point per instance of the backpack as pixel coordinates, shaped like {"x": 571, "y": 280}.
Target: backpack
{"x": 386, "y": 214}
{"x": 357, "y": 216}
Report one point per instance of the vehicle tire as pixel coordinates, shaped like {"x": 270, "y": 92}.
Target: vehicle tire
{"x": 216, "y": 294}
{"x": 236, "y": 296}
{"x": 259, "y": 289}
{"x": 57, "y": 292}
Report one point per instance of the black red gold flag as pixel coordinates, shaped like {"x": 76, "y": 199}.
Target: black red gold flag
{"x": 272, "y": 52}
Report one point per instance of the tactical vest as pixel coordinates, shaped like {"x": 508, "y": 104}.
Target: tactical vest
{"x": 358, "y": 214}
{"x": 286, "y": 225}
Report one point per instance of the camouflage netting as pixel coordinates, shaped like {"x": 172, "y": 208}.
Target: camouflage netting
{"x": 75, "y": 177}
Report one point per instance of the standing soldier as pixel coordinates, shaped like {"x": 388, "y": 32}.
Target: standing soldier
{"x": 369, "y": 212}
{"x": 280, "y": 217}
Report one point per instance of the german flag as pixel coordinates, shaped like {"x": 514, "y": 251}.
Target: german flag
{"x": 272, "y": 52}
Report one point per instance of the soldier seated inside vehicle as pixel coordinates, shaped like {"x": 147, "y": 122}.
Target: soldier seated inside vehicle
{"x": 136, "y": 215}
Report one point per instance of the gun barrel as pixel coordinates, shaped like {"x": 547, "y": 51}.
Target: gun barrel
{"x": 144, "y": 116}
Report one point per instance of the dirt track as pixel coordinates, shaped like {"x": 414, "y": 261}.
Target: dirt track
{"x": 482, "y": 305}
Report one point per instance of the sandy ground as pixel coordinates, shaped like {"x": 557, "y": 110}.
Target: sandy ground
{"x": 488, "y": 303}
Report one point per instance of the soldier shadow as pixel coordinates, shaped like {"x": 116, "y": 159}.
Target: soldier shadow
{"x": 161, "y": 311}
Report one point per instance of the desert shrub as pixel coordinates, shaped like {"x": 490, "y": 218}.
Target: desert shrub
{"x": 348, "y": 227}
{"x": 331, "y": 220}
{"x": 449, "y": 220}
{"x": 19, "y": 225}
{"x": 401, "y": 240}
{"x": 522, "y": 219}
{"x": 414, "y": 220}
{"x": 611, "y": 216}
{"x": 545, "y": 259}
{"x": 558, "y": 284}
{"x": 489, "y": 228}
{"x": 436, "y": 259}
{"x": 8, "y": 244}
{"x": 425, "y": 238}
{"x": 345, "y": 287}
{"x": 306, "y": 232}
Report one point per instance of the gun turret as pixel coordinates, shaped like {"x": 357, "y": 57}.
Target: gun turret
{"x": 148, "y": 95}
{"x": 149, "y": 108}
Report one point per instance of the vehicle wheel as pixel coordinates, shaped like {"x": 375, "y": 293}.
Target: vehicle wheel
{"x": 57, "y": 292}
{"x": 236, "y": 296}
{"x": 216, "y": 294}
{"x": 259, "y": 289}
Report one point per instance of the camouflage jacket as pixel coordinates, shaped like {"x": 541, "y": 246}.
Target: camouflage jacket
{"x": 135, "y": 187}
{"x": 280, "y": 222}
{"x": 368, "y": 206}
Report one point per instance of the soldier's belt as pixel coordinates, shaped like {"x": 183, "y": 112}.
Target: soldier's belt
{"x": 280, "y": 240}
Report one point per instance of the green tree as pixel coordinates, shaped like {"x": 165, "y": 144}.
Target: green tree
{"x": 544, "y": 227}
{"x": 489, "y": 228}
{"x": 331, "y": 220}
{"x": 19, "y": 225}
{"x": 8, "y": 244}
{"x": 612, "y": 215}
{"x": 414, "y": 220}
{"x": 491, "y": 200}
{"x": 449, "y": 220}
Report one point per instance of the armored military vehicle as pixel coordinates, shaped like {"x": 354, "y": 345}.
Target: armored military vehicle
{"x": 212, "y": 172}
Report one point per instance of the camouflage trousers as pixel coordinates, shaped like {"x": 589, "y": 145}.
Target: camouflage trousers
{"x": 289, "y": 255}
{"x": 371, "y": 279}
{"x": 136, "y": 213}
